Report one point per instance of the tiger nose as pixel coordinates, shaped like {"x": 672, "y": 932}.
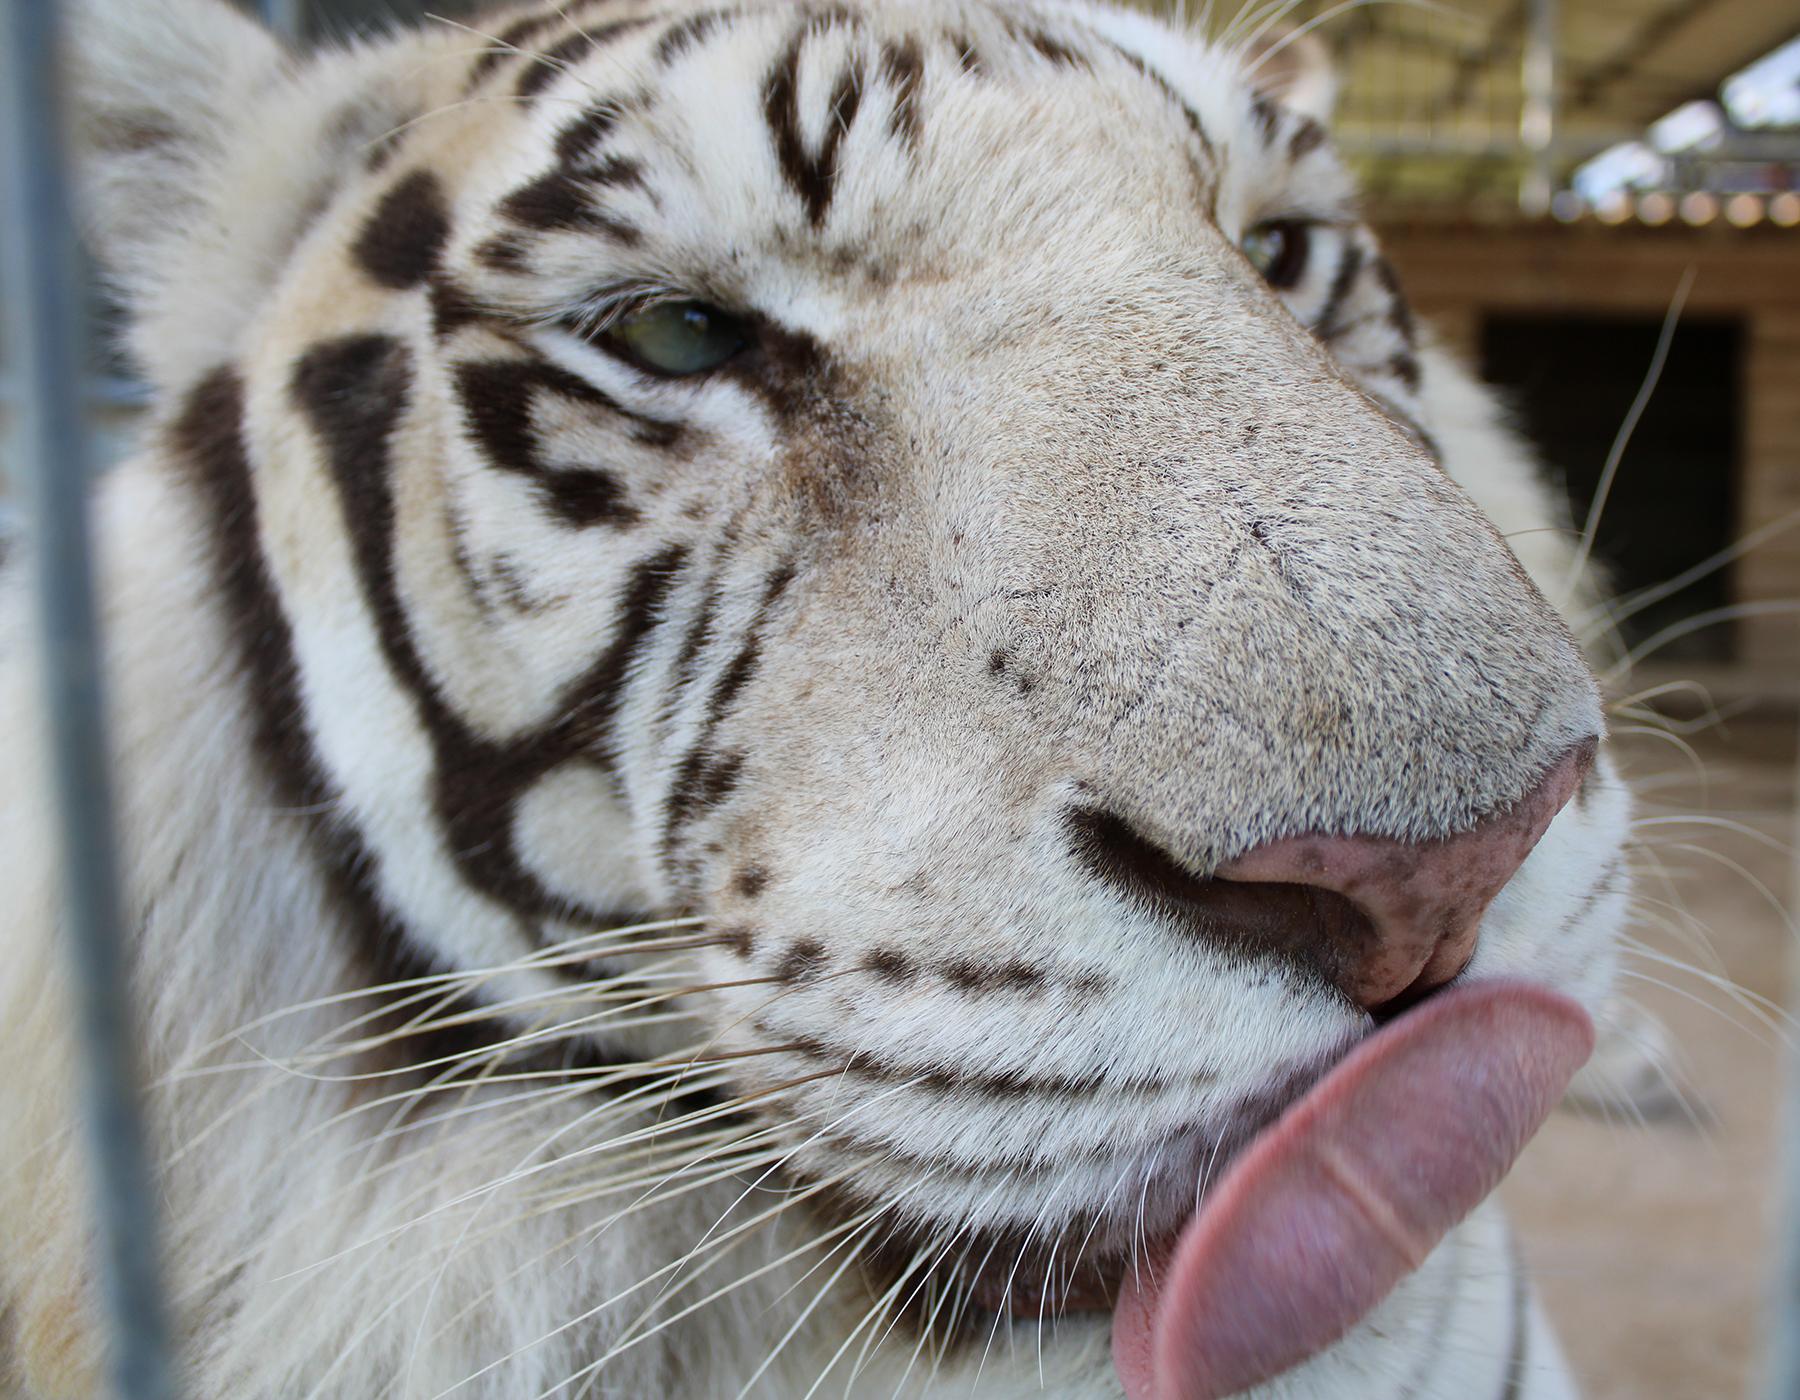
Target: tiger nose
{"x": 1423, "y": 899}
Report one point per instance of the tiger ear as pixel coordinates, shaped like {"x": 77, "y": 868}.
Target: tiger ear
{"x": 202, "y": 148}
{"x": 1293, "y": 67}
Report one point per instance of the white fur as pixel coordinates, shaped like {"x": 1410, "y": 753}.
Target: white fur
{"x": 1063, "y": 406}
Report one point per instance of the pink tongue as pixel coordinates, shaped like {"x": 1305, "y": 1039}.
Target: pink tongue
{"x": 1349, "y": 1191}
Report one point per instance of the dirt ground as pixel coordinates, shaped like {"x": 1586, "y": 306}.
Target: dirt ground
{"x": 1652, "y": 1241}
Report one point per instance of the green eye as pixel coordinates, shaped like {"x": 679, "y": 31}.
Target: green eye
{"x": 1279, "y": 250}
{"x": 678, "y": 337}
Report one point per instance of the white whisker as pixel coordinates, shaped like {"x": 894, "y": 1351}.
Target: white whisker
{"x": 1622, "y": 440}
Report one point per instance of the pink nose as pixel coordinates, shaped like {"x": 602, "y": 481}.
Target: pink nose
{"x": 1423, "y": 899}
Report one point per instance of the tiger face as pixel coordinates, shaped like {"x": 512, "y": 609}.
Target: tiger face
{"x": 947, "y": 495}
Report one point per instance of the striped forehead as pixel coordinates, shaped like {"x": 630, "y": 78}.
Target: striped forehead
{"x": 857, "y": 131}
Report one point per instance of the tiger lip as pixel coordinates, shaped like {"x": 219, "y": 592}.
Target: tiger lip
{"x": 1036, "y": 1282}
{"x": 1028, "y": 1285}
{"x": 1039, "y": 1297}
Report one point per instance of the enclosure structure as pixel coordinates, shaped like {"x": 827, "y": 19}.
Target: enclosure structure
{"x": 1471, "y": 280}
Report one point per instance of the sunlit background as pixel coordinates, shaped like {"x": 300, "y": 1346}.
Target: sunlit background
{"x": 1596, "y": 202}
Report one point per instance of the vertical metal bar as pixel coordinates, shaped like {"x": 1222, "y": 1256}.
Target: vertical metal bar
{"x": 1537, "y": 108}
{"x": 47, "y": 320}
{"x": 1781, "y": 1380}
{"x": 283, "y": 16}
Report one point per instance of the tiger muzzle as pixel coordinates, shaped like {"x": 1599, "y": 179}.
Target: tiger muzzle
{"x": 1406, "y": 914}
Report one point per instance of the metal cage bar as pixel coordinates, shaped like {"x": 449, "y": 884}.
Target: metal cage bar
{"x": 283, "y": 16}
{"x": 1781, "y": 1356}
{"x": 47, "y": 315}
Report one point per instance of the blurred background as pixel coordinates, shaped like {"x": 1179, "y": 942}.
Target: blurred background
{"x": 1548, "y": 176}
{"x": 1597, "y": 203}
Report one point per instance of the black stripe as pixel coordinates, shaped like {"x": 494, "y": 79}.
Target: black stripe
{"x": 812, "y": 177}
{"x": 704, "y": 777}
{"x": 530, "y": 376}
{"x": 561, "y": 201}
{"x": 614, "y": 171}
{"x": 498, "y": 397}
{"x": 699, "y": 634}
{"x": 208, "y": 444}
{"x": 1605, "y": 883}
{"x": 904, "y": 67}
{"x": 1168, "y": 90}
{"x": 720, "y": 780}
{"x": 503, "y": 253}
{"x": 1267, "y": 115}
{"x": 555, "y": 61}
{"x": 1341, "y": 287}
{"x": 682, "y": 673}
{"x": 476, "y": 586}
{"x": 1055, "y": 50}
{"x": 514, "y": 37}
{"x": 1308, "y": 136}
{"x": 1400, "y": 315}
{"x": 589, "y": 708}
{"x": 737, "y": 675}
{"x": 451, "y": 307}
{"x": 557, "y": 201}
{"x": 575, "y": 142}
{"x": 353, "y": 392}
{"x": 745, "y": 663}
{"x": 933, "y": 1078}
{"x": 542, "y": 69}
{"x": 401, "y": 242}
{"x": 968, "y": 57}
{"x": 682, "y": 35}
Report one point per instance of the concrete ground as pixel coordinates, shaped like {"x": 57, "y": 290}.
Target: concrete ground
{"x": 1652, "y": 1241}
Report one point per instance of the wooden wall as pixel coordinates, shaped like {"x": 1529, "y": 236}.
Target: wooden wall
{"x": 1455, "y": 275}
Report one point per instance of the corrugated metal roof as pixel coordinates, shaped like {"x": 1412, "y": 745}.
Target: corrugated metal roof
{"x": 1432, "y": 93}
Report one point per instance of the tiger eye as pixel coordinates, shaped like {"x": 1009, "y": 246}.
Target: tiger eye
{"x": 1278, "y": 250}
{"x": 678, "y": 337}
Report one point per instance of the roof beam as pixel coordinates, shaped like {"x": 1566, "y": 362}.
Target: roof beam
{"x": 1591, "y": 86}
{"x": 1501, "y": 39}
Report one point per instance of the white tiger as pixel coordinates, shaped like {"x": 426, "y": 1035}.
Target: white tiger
{"x": 939, "y": 509}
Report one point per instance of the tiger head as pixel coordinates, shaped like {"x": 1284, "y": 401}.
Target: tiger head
{"x": 948, "y": 496}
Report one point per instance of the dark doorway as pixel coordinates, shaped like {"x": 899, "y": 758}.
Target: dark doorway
{"x": 1674, "y": 500}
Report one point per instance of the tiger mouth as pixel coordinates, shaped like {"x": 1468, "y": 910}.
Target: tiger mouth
{"x": 963, "y": 1279}
{"x": 1333, "y": 1186}
{"x": 995, "y": 1275}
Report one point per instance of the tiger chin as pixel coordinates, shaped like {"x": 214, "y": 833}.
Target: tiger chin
{"x": 801, "y": 692}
